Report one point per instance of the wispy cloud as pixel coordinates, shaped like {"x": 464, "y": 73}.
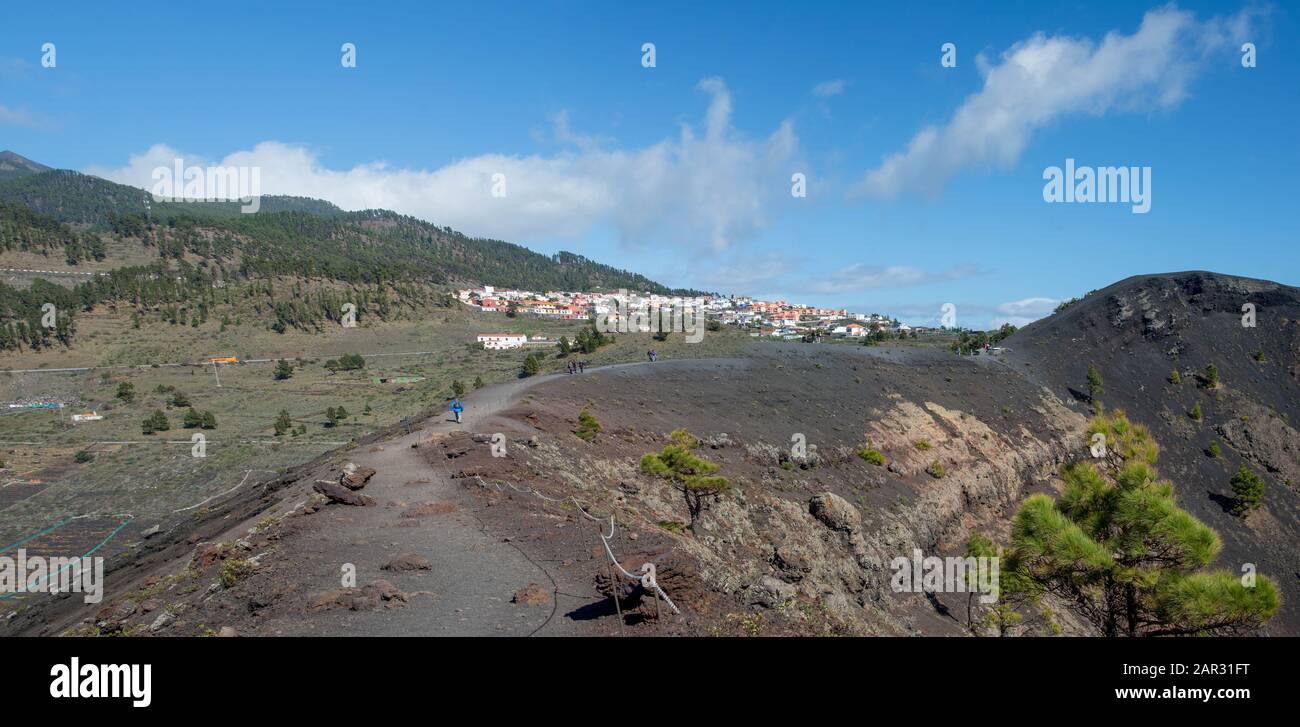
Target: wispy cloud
{"x": 826, "y": 89}
{"x": 1024, "y": 311}
{"x": 17, "y": 117}
{"x": 873, "y": 277}
{"x": 1044, "y": 78}
{"x": 707, "y": 185}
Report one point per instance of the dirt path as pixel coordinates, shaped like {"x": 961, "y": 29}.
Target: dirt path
{"x": 474, "y": 573}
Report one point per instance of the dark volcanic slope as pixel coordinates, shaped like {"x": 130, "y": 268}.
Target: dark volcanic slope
{"x": 1137, "y": 332}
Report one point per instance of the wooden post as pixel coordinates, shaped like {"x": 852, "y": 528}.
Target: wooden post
{"x": 618, "y": 607}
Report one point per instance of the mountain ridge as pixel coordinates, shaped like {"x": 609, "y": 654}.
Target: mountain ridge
{"x": 94, "y": 205}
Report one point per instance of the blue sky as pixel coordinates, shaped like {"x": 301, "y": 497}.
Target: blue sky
{"x": 682, "y": 171}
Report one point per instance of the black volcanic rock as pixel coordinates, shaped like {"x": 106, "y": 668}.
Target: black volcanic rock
{"x": 1140, "y": 330}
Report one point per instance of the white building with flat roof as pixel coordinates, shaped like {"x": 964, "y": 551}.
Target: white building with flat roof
{"x": 502, "y": 340}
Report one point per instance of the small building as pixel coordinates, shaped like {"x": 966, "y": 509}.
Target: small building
{"x": 90, "y": 416}
{"x": 502, "y": 340}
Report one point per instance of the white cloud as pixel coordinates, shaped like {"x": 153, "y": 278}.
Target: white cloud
{"x": 1029, "y": 307}
{"x": 871, "y": 277}
{"x": 826, "y": 89}
{"x": 713, "y": 186}
{"x": 1025, "y": 311}
{"x": 1043, "y": 78}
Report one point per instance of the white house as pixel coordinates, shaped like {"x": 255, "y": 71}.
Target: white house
{"x": 89, "y": 416}
{"x": 502, "y": 340}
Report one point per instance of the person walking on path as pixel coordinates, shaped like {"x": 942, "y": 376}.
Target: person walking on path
{"x": 582, "y": 367}
{"x": 457, "y": 408}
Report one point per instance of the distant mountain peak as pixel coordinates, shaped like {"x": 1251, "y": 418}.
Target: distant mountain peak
{"x": 16, "y": 165}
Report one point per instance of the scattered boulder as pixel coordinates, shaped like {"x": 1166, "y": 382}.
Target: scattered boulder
{"x": 151, "y": 532}
{"x": 358, "y": 478}
{"x": 771, "y": 592}
{"x": 163, "y": 621}
{"x": 370, "y": 597}
{"x": 341, "y": 495}
{"x": 834, "y": 511}
{"x": 205, "y": 555}
{"x": 407, "y": 562}
{"x": 721, "y": 440}
{"x": 532, "y": 595}
{"x": 227, "y": 632}
{"x": 115, "y": 613}
{"x": 150, "y": 605}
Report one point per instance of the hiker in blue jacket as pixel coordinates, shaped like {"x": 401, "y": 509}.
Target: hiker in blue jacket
{"x": 457, "y": 408}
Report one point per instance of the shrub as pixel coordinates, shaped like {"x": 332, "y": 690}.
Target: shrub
{"x": 923, "y": 445}
{"x": 871, "y": 455}
{"x": 233, "y": 570}
{"x": 83, "y": 457}
{"x": 588, "y": 427}
{"x": 346, "y": 362}
{"x": 156, "y": 422}
{"x": 1175, "y": 377}
{"x": 1195, "y": 413}
{"x": 936, "y": 470}
{"x": 1211, "y": 376}
{"x": 1215, "y": 450}
{"x": 282, "y": 423}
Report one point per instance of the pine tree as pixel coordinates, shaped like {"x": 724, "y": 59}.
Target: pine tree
{"x": 193, "y": 419}
{"x": 532, "y": 365}
{"x": 126, "y": 392}
{"x": 1118, "y": 547}
{"x": 457, "y": 388}
{"x": 692, "y": 474}
{"x": 283, "y": 370}
{"x": 478, "y": 382}
{"x": 1248, "y": 491}
{"x": 156, "y": 422}
{"x": 1095, "y": 386}
{"x": 282, "y": 423}
{"x": 209, "y": 420}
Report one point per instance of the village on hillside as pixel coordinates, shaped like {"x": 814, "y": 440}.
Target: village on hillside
{"x": 776, "y": 319}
